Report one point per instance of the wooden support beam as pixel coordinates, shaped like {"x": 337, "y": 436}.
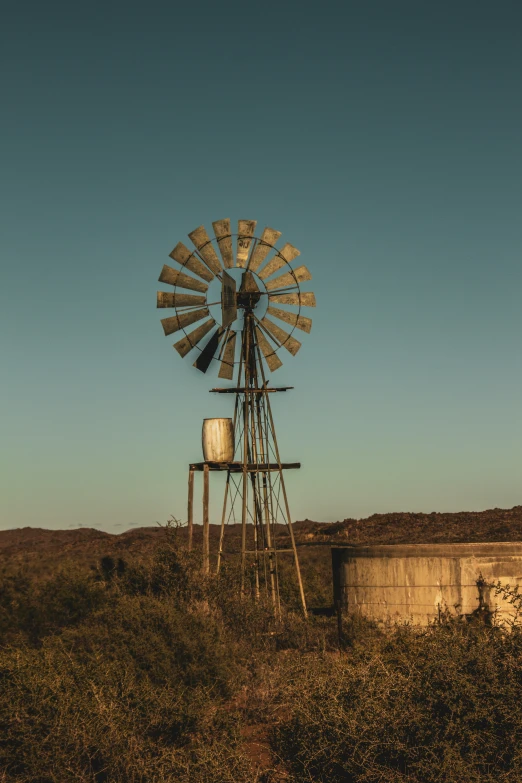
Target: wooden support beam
{"x": 206, "y": 547}
{"x": 250, "y": 467}
{"x": 190, "y": 509}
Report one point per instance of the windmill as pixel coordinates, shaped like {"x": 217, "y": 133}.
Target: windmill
{"x": 230, "y": 320}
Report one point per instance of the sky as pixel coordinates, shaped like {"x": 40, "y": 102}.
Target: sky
{"x": 383, "y": 139}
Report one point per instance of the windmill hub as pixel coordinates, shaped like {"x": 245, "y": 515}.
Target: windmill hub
{"x": 248, "y": 300}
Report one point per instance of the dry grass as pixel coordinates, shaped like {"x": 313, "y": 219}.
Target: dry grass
{"x": 142, "y": 671}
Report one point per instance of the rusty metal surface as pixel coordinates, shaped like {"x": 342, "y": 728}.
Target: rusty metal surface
{"x": 177, "y": 322}
{"x": 224, "y": 238}
{"x": 183, "y": 256}
{"x": 188, "y": 342}
{"x": 227, "y": 363}
{"x": 179, "y": 279}
{"x": 245, "y": 232}
{"x": 204, "y": 359}
{"x": 228, "y": 300}
{"x": 302, "y": 299}
{"x": 266, "y": 242}
{"x": 201, "y": 240}
{"x": 166, "y": 299}
{"x": 291, "y": 318}
{"x": 288, "y": 279}
{"x": 286, "y": 255}
{"x": 272, "y": 359}
{"x": 283, "y": 338}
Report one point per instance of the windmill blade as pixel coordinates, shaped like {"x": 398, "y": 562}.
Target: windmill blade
{"x": 201, "y": 240}
{"x": 202, "y": 363}
{"x": 245, "y": 232}
{"x": 188, "y": 342}
{"x": 289, "y": 279}
{"x": 224, "y": 238}
{"x": 268, "y": 239}
{"x": 292, "y": 318}
{"x": 166, "y": 299}
{"x": 283, "y": 338}
{"x": 180, "y": 280}
{"x": 302, "y": 299}
{"x": 177, "y": 322}
{"x": 228, "y": 300}
{"x": 272, "y": 359}
{"x": 183, "y": 256}
{"x": 227, "y": 363}
{"x": 285, "y": 255}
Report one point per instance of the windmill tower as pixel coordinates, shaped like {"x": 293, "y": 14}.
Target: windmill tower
{"x": 230, "y": 315}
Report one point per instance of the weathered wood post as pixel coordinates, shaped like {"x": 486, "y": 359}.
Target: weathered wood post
{"x": 206, "y": 548}
{"x": 190, "y": 510}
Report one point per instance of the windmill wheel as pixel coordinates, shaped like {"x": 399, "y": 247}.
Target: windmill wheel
{"x": 228, "y": 288}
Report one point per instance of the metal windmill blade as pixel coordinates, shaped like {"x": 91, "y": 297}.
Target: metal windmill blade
{"x": 272, "y": 359}
{"x": 298, "y": 321}
{"x": 201, "y": 240}
{"x": 263, "y": 247}
{"x": 224, "y": 239}
{"x": 227, "y": 362}
{"x": 180, "y": 280}
{"x": 280, "y": 336}
{"x": 303, "y": 299}
{"x": 245, "y": 232}
{"x": 301, "y": 274}
{"x": 190, "y": 341}
{"x": 183, "y": 256}
{"x": 283, "y": 257}
{"x": 177, "y": 322}
{"x": 165, "y": 299}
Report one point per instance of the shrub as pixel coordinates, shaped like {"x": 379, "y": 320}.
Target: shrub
{"x": 443, "y": 705}
{"x": 36, "y": 609}
{"x": 64, "y": 719}
{"x": 155, "y": 637}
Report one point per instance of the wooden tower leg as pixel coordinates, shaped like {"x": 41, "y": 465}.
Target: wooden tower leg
{"x": 222, "y": 531}
{"x": 190, "y": 509}
{"x": 206, "y": 548}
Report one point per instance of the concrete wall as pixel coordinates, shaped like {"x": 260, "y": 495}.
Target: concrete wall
{"x": 414, "y": 582}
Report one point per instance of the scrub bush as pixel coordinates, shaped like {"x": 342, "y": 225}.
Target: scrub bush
{"x": 442, "y": 705}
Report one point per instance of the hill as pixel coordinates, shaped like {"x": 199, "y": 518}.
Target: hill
{"x": 394, "y": 528}
{"x": 43, "y": 550}
{"x": 409, "y": 528}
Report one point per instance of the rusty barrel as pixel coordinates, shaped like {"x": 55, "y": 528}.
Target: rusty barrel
{"x": 218, "y": 440}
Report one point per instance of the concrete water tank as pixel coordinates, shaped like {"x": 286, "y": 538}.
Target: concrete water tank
{"x": 415, "y": 582}
{"x": 218, "y": 440}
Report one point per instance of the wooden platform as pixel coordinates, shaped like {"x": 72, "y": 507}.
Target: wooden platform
{"x": 242, "y": 389}
{"x": 252, "y": 467}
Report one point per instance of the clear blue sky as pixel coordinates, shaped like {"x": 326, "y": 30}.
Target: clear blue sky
{"x": 382, "y": 138}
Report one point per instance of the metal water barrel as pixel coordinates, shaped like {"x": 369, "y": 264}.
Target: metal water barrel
{"x": 218, "y": 440}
